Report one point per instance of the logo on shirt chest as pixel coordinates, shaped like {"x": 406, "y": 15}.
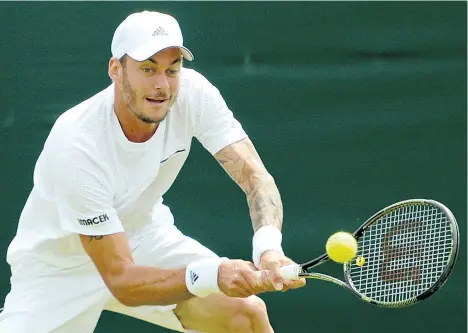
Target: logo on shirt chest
{"x": 95, "y": 220}
{"x": 170, "y": 156}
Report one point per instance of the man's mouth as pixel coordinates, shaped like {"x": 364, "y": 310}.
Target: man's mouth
{"x": 157, "y": 100}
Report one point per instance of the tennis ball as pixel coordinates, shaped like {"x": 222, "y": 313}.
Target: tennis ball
{"x": 360, "y": 261}
{"x": 341, "y": 247}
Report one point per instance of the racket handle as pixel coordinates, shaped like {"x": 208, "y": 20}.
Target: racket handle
{"x": 290, "y": 272}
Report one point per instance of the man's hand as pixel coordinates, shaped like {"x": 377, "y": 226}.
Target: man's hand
{"x": 272, "y": 261}
{"x": 238, "y": 278}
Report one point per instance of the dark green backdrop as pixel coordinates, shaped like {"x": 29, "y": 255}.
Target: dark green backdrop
{"x": 352, "y": 105}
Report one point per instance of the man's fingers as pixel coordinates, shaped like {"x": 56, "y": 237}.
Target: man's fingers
{"x": 238, "y": 278}
{"x": 293, "y": 284}
{"x": 262, "y": 281}
{"x": 297, "y": 284}
{"x": 238, "y": 292}
{"x": 272, "y": 261}
{"x": 253, "y": 281}
{"x": 260, "y": 278}
{"x": 276, "y": 279}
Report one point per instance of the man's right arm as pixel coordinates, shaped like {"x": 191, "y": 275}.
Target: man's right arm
{"x": 131, "y": 284}
{"x": 135, "y": 285}
{"x": 84, "y": 192}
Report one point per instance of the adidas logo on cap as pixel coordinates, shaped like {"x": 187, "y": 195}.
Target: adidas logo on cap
{"x": 160, "y": 32}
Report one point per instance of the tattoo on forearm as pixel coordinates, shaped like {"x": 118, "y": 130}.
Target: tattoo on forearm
{"x": 245, "y": 167}
{"x": 265, "y": 204}
{"x": 95, "y": 238}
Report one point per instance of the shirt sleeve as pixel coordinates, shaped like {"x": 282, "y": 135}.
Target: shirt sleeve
{"x": 84, "y": 196}
{"x": 216, "y": 126}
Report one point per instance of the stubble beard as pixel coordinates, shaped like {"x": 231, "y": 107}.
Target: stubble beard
{"x": 129, "y": 97}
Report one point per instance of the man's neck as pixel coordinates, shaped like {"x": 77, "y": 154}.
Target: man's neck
{"x": 134, "y": 128}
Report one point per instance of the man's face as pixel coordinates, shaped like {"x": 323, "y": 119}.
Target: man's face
{"x": 149, "y": 87}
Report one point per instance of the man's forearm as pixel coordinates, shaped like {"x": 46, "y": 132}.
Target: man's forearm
{"x": 264, "y": 201}
{"x": 135, "y": 285}
{"x": 143, "y": 285}
{"x": 241, "y": 161}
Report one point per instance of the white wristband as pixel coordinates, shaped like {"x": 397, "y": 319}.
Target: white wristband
{"x": 201, "y": 277}
{"x": 267, "y": 238}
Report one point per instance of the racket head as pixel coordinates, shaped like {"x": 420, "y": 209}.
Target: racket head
{"x": 409, "y": 248}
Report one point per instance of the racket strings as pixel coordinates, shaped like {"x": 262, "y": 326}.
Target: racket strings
{"x": 405, "y": 252}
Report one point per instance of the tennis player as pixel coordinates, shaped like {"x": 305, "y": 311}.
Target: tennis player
{"x": 95, "y": 235}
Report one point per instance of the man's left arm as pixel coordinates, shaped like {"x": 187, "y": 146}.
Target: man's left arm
{"x": 243, "y": 164}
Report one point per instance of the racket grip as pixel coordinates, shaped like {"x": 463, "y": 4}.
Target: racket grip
{"x": 290, "y": 272}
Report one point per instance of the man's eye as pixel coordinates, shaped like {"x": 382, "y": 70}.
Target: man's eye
{"x": 147, "y": 69}
{"x": 173, "y": 71}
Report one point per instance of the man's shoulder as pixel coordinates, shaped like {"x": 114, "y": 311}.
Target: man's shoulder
{"x": 93, "y": 106}
{"x": 195, "y": 88}
{"x": 190, "y": 75}
{"x": 82, "y": 125}
{"x": 192, "y": 80}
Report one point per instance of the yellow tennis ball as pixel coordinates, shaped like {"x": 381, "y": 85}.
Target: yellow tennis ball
{"x": 341, "y": 247}
{"x": 360, "y": 261}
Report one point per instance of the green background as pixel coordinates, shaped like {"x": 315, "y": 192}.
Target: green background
{"x": 352, "y": 106}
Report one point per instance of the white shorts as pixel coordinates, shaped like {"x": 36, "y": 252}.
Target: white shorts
{"x": 72, "y": 300}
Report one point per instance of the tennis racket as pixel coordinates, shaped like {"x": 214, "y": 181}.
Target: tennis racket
{"x": 409, "y": 248}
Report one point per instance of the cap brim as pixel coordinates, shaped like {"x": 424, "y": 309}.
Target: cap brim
{"x": 148, "y": 51}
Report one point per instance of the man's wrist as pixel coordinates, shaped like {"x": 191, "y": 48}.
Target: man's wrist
{"x": 266, "y": 238}
{"x": 201, "y": 277}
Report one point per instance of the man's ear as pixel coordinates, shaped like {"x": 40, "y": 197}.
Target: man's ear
{"x": 115, "y": 68}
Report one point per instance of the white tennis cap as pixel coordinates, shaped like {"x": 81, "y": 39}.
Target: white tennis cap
{"x": 143, "y": 34}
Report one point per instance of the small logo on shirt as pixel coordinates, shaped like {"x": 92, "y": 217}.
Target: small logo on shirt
{"x": 179, "y": 151}
{"x": 193, "y": 277}
{"x": 160, "y": 32}
{"x": 95, "y": 220}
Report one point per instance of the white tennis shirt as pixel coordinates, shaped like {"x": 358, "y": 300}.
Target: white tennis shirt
{"x": 89, "y": 179}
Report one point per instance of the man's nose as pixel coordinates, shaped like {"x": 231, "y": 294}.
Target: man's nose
{"x": 160, "y": 82}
